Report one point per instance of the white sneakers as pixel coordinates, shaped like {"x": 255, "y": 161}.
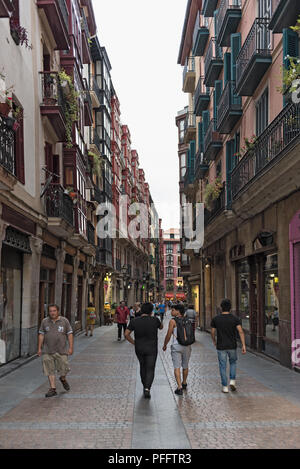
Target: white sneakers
{"x": 232, "y": 387}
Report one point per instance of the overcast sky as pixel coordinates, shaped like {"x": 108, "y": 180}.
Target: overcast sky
{"x": 142, "y": 39}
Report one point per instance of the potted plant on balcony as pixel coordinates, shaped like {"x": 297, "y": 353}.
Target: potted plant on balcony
{"x": 212, "y": 193}
{"x": 71, "y": 109}
{"x": 19, "y": 35}
{"x": 97, "y": 163}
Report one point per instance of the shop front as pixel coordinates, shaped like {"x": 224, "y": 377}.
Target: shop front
{"x": 258, "y": 305}
{"x": 295, "y": 288}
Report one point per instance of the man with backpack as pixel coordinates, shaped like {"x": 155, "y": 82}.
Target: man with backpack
{"x": 182, "y": 332}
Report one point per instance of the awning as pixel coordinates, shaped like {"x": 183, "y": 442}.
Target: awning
{"x": 180, "y": 296}
{"x": 169, "y": 296}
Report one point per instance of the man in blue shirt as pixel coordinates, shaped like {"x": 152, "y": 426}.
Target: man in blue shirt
{"x": 162, "y": 310}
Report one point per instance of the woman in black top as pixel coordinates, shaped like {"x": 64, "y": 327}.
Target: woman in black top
{"x": 145, "y": 330}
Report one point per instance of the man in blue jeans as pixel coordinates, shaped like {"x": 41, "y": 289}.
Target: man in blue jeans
{"x": 226, "y": 325}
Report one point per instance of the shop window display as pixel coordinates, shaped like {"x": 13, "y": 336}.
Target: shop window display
{"x": 244, "y": 293}
{"x": 271, "y": 281}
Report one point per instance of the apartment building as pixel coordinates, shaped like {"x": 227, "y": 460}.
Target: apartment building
{"x": 173, "y": 283}
{"x": 243, "y": 141}
{"x": 55, "y": 170}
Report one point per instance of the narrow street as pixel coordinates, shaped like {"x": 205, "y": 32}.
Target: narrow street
{"x": 105, "y": 407}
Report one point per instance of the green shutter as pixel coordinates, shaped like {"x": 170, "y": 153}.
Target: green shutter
{"x": 227, "y": 67}
{"x": 218, "y": 48}
{"x": 217, "y": 96}
{"x": 205, "y": 122}
{"x": 235, "y": 42}
{"x": 290, "y": 45}
{"x": 192, "y": 159}
{"x": 229, "y": 167}
{"x": 200, "y": 137}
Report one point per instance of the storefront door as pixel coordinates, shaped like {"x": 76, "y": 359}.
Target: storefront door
{"x": 295, "y": 286}
{"x": 11, "y": 316}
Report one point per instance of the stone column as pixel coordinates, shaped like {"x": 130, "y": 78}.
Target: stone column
{"x": 97, "y": 298}
{"x": 30, "y": 300}
{"x": 60, "y": 255}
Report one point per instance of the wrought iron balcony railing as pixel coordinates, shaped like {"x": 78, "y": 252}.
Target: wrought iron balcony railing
{"x": 52, "y": 90}
{"x": 200, "y": 35}
{"x": 229, "y": 103}
{"x": 201, "y": 97}
{"x": 7, "y": 145}
{"x": 217, "y": 208}
{"x": 213, "y": 62}
{"x": 276, "y": 139}
{"x": 227, "y": 20}
{"x": 258, "y": 45}
{"x": 59, "y": 204}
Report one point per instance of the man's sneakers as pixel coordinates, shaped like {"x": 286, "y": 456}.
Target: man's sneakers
{"x": 232, "y": 385}
{"x": 65, "y": 383}
{"x": 179, "y": 392}
{"x": 51, "y": 393}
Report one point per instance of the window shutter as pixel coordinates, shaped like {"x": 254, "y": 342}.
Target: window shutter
{"x": 192, "y": 157}
{"x": 218, "y": 48}
{"x": 290, "y": 45}
{"x": 19, "y": 141}
{"x": 205, "y": 122}
{"x": 235, "y": 42}
{"x": 200, "y": 136}
{"x": 217, "y": 96}
{"x": 229, "y": 167}
{"x": 227, "y": 67}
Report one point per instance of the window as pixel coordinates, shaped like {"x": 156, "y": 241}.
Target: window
{"x": 182, "y": 165}
{"x": 170, "y": 272}
{"x": 262, "y": 113}
{"x": 244, "y": 293}
{"x": 271, "y": 285}
{"x": 181, "y": 131}
{"x": 169, "y": 248}
{"x": 169, "y": 260}
{"x": 170, "y": 285}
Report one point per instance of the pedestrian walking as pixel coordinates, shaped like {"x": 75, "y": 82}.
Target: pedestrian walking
{"x": 145, "y": 340}
{"x": 121, "y": 317}
{"x": 226, "y": 325}
{"x": 90, "y": 320}
{"x": 162, "y": 311}
{"x": 55, "y": 344}
{"x": 137, "y": 310}
{"x": 182, "y": 333}
{"x": 131, "y": 312}
{"x": 191, "y": 315}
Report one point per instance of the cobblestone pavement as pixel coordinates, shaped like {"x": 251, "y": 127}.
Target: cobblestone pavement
{"x": 104, "y": 408}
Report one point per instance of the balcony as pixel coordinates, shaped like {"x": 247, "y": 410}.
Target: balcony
{"x": 190, "y": 127}
{"x": 255, "y": 57}
{"x": 201, "y": 166}
{"x": 7, "y": 155}
{"x": 212, "y": 142}
{"x": 53, "y": 104}
{"x": 200, "y": 37}
{"x": 218, "y": 207}
{"x": 229, "y": 109}
{"x": 189, "y": 76}
{"x": 188, "y": 184}
{"x": 209, "y": 6}
{"x": 57, "y": 14}
{"x": 60, "y": 212}
{"x": 97, "y": 195}
{"x": 213, "y": 63}
{"x": 95, "y": 142}
{"x": 285, "y": 14}
{"x": 86, "y": 53}
{"x": 201, "y": 98}
{"x": 5, "y": 8}
{"x": 270, "y": 148}
{"x": 88, "y": 107}
{"x": 104, "y": 258}
{"x": 228, "y": 18}
{"x": 95, "y": 93}
{"x": 90, "y": 233}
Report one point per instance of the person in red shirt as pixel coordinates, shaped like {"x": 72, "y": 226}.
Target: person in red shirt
{"x": 122, "y": 314}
